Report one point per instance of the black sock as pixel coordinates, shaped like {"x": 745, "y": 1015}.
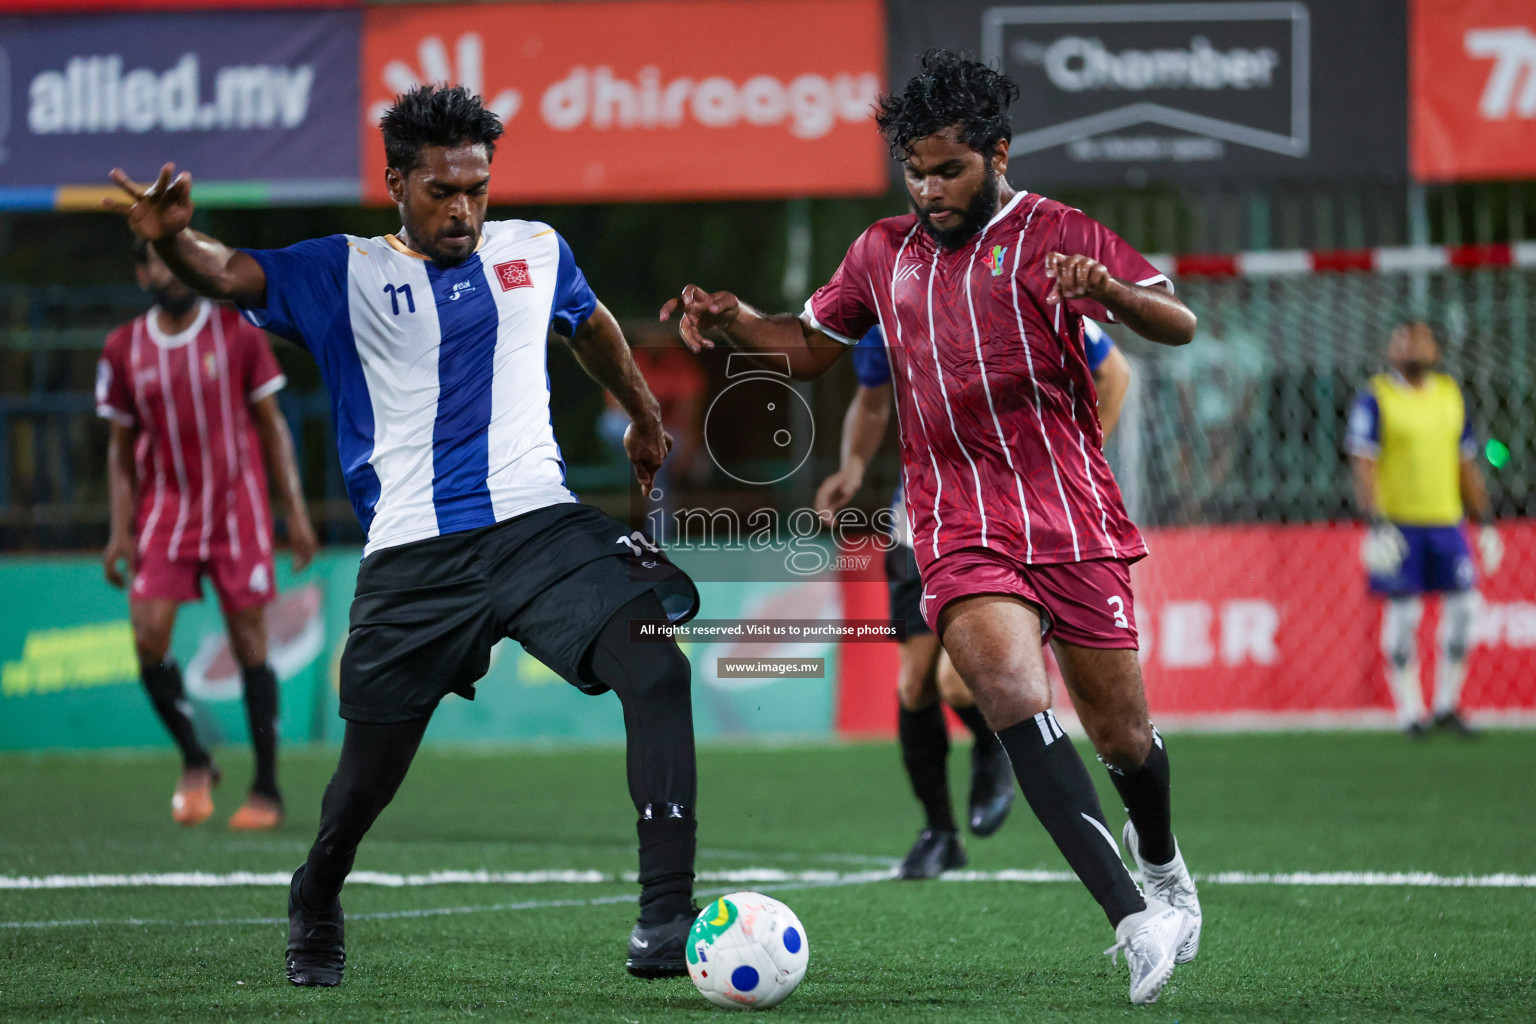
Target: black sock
{"x": 653, "y": 683}
{"x": 925, "y": 753}
{"x": 971, "y": 716}
{"x": 1144, "y": 791}
{"x": 261, "y": 715}
{"x": 163, "y": 684}
{"x": 1060, "y": 792}
{"x": 374, "y": 759}
{"x": 667, "y": 848}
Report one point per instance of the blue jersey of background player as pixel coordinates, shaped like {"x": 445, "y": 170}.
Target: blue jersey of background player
{"x": 926, "y": 676}
{"x": 1414, "y": 461}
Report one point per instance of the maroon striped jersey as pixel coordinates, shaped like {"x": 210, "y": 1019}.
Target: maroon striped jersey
{"x": 202, "y": 487}
{"x": 1000, "y": 440}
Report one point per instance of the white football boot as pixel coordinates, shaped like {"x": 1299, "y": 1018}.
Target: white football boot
{"x": 1149, "y": 939}
{"x": 1171, "y": 883}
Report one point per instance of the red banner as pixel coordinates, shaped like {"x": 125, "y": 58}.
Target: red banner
{"x": 1261, "y": 621}
{"x": 650, "y": 99}
{"x": 1472, "y": 85}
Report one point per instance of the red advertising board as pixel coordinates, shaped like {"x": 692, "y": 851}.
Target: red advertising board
{"x": 1472, "y": 86}
{"x": 115, "y": 6}
{"x": 1256, "y": 623}
{"x": 650, "y": 99}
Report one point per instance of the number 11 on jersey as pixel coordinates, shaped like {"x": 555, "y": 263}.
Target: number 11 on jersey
{"x": 395, "y": 292}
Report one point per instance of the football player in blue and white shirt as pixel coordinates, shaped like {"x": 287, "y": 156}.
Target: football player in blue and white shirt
{"x": 927, "y": 680}
{"x": 432, "y": 343}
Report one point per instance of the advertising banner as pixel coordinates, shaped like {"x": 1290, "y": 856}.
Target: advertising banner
{"x": 625, "y": 100}
{"x": 1472, "y": 68}
{"x": 69, "y": 678}
{"x": 1260, "y": 626}
{"x": 262, "y": 105}
{"x": 1222, "y": 90}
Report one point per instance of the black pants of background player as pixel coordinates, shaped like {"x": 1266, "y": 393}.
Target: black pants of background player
{"x": 565, "y": 582}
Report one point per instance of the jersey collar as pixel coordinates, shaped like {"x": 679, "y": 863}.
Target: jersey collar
{"x": 152, "y": 326}
{"x": 1018, "y": 197}
{"x": 401, "y": 247}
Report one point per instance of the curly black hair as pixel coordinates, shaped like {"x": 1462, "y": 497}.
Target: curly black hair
{"x": 434, "y": 115}
{"x": 949, "y": 91}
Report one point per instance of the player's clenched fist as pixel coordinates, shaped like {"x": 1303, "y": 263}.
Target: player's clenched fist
{"x": 1076, "y": 277}
{"x": 159, "y": 210}
{"x": 701, "y": 312}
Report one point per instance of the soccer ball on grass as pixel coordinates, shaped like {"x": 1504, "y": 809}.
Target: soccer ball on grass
{"x": 747, "y": 950}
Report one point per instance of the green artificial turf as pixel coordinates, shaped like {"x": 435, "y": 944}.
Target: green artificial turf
{"x": 881, "y": 951}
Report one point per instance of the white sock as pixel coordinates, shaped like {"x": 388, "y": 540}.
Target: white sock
{"x": 1409, "y": 694}
{"x": 1399, "y": 639}
{"x": 1456, "y": 613}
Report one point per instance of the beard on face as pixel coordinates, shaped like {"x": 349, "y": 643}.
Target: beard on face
{"x": 175, "y": 298}
{"x": 439, "y": 253}
{"x": 972, "y": 219}
{"x": 1414, "y": 369}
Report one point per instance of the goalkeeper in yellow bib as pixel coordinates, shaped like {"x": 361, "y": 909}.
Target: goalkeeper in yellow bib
{"x": 1413, "y": 457}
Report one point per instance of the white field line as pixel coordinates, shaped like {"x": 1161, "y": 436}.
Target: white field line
{"x": 768, "y": 880}
{"x": 744, "y": 876}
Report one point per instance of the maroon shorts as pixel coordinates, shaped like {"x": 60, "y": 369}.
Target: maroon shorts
{"x": 241, "y": 583}
{"x": 1087, "y": 604}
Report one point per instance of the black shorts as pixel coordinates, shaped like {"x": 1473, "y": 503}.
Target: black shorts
{"x": 426, "y": 615}
{"x": 906, "y": 589}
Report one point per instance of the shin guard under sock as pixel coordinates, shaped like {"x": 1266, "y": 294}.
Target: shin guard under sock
{"x": 1060, "y": 792}
{"x": 162, "y": 682}
{"x": 261, "y": 716}
{"x": 1145, "y": 793}
{"x": 925, "y": 754}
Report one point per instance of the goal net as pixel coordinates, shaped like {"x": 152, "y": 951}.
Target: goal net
{"x": 1253, "y": 604}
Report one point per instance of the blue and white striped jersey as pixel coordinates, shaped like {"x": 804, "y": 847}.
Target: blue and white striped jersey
{"x": 437, "y": 376}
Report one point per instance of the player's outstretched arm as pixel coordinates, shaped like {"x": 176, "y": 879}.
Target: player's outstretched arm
{"x": 1153, "y": 312}
{"x": 121, "y": 547}
{"x": 863, "y": 429}
{"x": 161, "y": 213}
{"x": 704, "y": 318}
{"x": 601, "y": 350}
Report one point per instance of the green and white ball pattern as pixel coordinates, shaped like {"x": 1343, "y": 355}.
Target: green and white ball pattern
{"x": 747, "y": 951}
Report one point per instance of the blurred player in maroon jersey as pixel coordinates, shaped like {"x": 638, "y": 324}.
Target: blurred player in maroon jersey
{"x": 1019, "y": 529}
{"x": 189, "y": 389}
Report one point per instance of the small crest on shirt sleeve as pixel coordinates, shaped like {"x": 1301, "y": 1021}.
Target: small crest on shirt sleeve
{"x": 513, "y": 274}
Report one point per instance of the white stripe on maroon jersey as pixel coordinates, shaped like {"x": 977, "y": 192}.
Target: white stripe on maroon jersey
{"x": 981, "y": 363}
{"x": 1082, "y": 447}
{"x": 202, "y": 448}
{"x": 1029, "y": 362}
{"x": 174, "y": 430}
{"x": 938, "y": 481}
{"x": 231, "y": 526}
{"x": 933, "y": 343}
{"x": 135, "y": 351}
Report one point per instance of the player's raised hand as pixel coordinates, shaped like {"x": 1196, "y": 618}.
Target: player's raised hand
{"x": 119, "y": 550}
{"x": 157, "y": 210}
{"x": 1075, "y": 277}
{"x": 647, "y": 443}
{"x": 700, "y": 312}
{"x": 837, "y": 490}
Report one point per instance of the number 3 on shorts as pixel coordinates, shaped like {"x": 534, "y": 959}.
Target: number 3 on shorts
{"x": 1118, "y": 604}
